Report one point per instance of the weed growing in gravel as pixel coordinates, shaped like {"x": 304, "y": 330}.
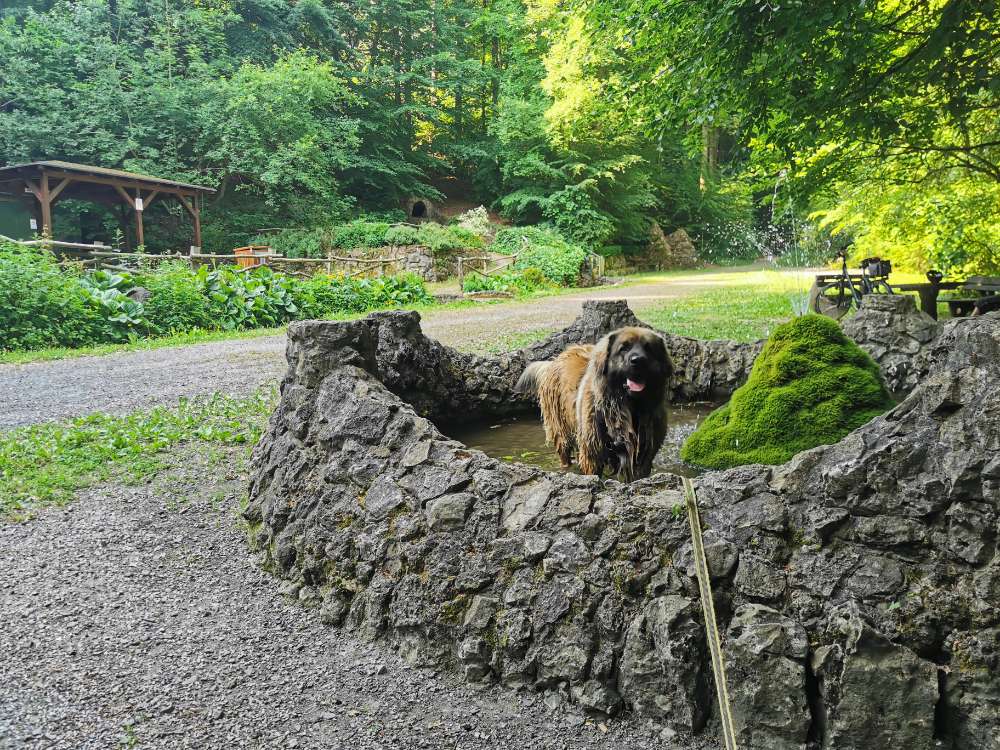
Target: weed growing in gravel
{"x": 45, "y": 464}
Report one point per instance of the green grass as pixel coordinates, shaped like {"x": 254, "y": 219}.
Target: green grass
{"x": 46, "y": 464}
{"x": 508, "y": 342}
{"x": 745, "y": 312}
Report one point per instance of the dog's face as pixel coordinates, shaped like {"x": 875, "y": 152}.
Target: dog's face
{"x": 636, "y": 363}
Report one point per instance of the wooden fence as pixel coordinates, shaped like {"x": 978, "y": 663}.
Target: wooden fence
{"x": 99, "y": 256}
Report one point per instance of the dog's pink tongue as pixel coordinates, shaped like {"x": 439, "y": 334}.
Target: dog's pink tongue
{"x": 633, "y": 386}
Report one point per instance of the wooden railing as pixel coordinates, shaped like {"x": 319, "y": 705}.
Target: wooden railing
{"x": 102, "y": 256}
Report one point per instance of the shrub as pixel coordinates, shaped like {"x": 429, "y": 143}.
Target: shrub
{"x": 258, "y": 298}
{"x": 402, "y": 234}
{"x": 475, "y": 220}
{"x": 297, "y": 243}
{"x": 177, "y": 302}
{"x": 42, "y": 305}
{"x": 810, "y": 386}
{"x": 121, "y": 316}
{"x": 360, "y": 233}
{"x": 324, "y": 295}
{"x": 441, "y": 239}
{"x": 542, "y": 248}
{"x": 519, "y": 282}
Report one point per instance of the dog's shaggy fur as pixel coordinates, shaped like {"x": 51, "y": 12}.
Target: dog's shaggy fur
{"x": 605, "y": 403}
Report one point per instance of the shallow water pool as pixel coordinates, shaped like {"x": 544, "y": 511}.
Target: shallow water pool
{"x": 523, "y": 439}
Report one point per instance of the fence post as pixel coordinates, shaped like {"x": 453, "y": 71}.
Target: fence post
{"x": 461, "y": 273}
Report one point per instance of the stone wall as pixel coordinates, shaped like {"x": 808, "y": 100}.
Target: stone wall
{"x": 416, "y": 259}
{"x": 856, "y": 585}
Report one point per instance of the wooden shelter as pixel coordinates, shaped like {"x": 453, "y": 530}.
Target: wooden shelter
{"x": 42, "y": 183}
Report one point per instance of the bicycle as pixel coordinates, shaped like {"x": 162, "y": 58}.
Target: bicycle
{"x": 834, "y": 295}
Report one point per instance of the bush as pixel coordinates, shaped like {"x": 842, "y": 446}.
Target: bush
{"x": 42, "y": 305}
{"x": 360, "y": 233}
{"x": 259, "y": 298}
{"x": 810, "y": 386}
{"x": 402, "y": 234}
{"x": 297, "y": 243}
{"x": 441, "y": 239}
{"x": 542, "y": 248}
{"x": 475, "y": 220}
{"x": 517, "y": 282}
{"x": 177, "y": 302}
{"x": 324, "y": 295}
{"x": 121, "y": 316}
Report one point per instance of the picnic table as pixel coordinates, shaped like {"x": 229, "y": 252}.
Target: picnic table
{"x": 929, "y": 292}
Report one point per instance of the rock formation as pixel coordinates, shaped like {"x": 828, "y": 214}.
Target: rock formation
{"x": 856, "y": 584}
{"x": 896, "y": 335}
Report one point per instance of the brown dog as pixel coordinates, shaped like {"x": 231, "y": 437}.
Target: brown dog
{"x": 605, "y": 403}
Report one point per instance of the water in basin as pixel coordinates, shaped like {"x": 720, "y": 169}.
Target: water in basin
{"x": 523, "y": 439}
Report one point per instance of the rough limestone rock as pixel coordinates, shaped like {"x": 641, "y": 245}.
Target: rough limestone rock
{"x": 665, "y": 252}
{"x": 897, "y": 336}
{"x": 856, "y": 585}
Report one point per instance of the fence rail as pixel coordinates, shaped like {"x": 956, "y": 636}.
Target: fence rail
{"x": 100, "y": 256}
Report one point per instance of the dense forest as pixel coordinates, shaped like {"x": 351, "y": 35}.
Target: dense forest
{"x": 760, "y": 126}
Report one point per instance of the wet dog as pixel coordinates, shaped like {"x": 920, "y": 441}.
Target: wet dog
{"x": 606, "y": 403}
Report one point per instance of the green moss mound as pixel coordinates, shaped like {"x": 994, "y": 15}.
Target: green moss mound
{"x": 810, "y": 386}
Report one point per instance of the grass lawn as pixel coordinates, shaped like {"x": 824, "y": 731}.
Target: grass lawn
{"x": 744, "y": 311}
{"x": 46, "y": 464}
{"x": 745, "y": 306}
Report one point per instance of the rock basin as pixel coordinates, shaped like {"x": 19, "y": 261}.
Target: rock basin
{"x": 856, "y": 585}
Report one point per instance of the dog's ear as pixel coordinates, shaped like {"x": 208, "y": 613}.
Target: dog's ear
{"x": 667, "y": 361}
{"x": 606, "y": 354}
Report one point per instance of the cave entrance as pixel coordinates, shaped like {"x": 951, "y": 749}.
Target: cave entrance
{"x": 419, "y": 210}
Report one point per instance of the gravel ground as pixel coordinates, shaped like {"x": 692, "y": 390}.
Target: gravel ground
{"x": 120, "y": 383}
{"x": 135, "y": 617}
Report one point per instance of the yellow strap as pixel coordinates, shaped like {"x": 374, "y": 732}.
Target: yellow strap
{"x": 708, "y": 609}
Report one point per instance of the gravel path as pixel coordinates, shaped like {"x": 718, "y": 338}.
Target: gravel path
{"x": 119, "y": 383}
{"x": 136, "y": 618}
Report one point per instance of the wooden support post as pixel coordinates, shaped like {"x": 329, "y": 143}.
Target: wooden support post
{"x": 139, "y": 235}
{"x": 43, "y": 197}
{"x": 197, "y": 224}
{"x": 192, "y": 208}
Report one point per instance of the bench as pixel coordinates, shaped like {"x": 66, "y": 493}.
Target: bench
{"x": 985, "y": 286}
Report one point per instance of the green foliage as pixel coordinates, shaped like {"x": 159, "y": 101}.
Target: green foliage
{"x": 881, "y": 114}
{"x": 810, "y": 386}
{"x": 41, "y": 306}
{"x": 360, "y": 233}
{"x": 296, "y": 243}
{"x": 442, "y": 239}
{"x": 259, "y": 298}
{"x": 947, "y": 222}
{"x": 46, "y": 464}
{"x": 516, "y": 282}
{"x": 542, "y": 248}
{"x": 402, "y": 234}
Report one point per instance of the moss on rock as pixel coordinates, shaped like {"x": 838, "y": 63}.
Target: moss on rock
{"x": 810, "y": 386}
